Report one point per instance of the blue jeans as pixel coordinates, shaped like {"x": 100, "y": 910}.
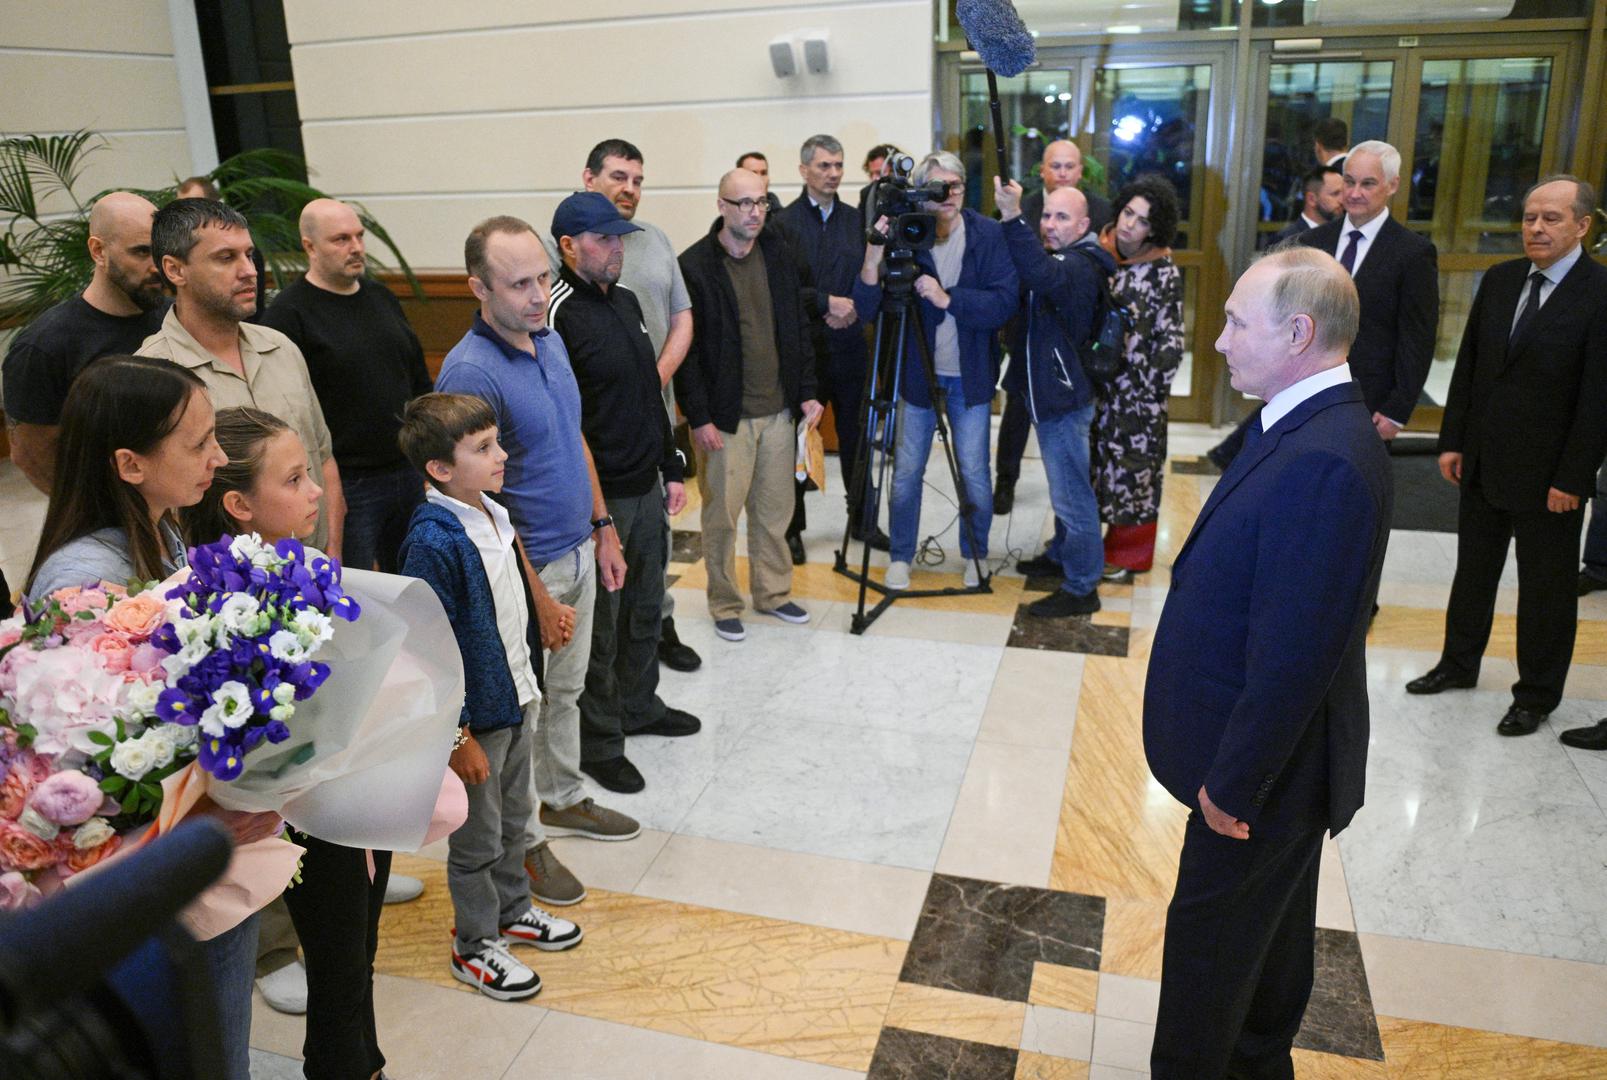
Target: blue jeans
{"x": 1063, "y": 442}
{"x": 231, "y": 959}
{"x": 1596, "y": 531}
{"x": 968, "y": 429}
{"x": 379, "y": 506}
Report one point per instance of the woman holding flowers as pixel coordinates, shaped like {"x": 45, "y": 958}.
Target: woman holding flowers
{"x": 137, "y": 445}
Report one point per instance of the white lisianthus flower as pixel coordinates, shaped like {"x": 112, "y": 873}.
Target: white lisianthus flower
{"x": 133, "y": 758}
{"x": 142, "y": 696}
{"x": 286, "y": 646}
{"x": 239, "y": 614}
{"x": 282, "y": 713}
{"x": 284, "y": 693}
{"x": 92, "y": 834}
{"x": 188, "y": 656}
{"x": 231, "y": 707}
{"x": 247, "y": 547}
{"x": 313, "y": 627}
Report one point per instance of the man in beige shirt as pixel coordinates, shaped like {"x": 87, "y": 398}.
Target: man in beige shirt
{"x": 203, "y": 249}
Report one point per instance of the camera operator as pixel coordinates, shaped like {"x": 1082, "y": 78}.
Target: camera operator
{"x": 967, "y": 290}
{"x": 1060, "y": 262}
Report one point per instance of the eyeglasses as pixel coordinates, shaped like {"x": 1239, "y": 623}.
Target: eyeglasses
{"x": 747, "y": 206}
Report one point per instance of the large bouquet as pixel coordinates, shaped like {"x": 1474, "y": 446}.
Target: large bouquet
{"x": 108, "y": 692}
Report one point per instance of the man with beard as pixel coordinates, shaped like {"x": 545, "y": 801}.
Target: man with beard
{"x": 122, "y": 306}
{"x": 1322, "y": 202}
{"x": 366, "y": 365}
{"x": 203, "y": 250}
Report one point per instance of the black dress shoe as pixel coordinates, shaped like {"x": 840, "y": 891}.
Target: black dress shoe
{"x": 1061, "y": 604}
{"x": 672, "y": 653}
{"x": 615, "y": 774}
{"x": 1439, "y": 680}
{"x": 1589, "y": 583}
{"x": 795, "y": 545}
{"x": 673, "y": 723}
{"x": 878, "y": 540}
{"x": 1519, "y": 721}
{"x": 1004, "y": 497}
{"x": 1593, "y": 737}
{"x": 1040, "y": 566}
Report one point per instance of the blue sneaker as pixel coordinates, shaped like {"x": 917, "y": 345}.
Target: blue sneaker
{"x": 788, "y": 612}
{"x": 730, "y": 629}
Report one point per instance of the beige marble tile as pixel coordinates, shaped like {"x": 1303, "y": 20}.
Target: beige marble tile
{"x": 581, "y": 1048}
{"x": 1458, "y": 986}
{"x": 818, "y": 581}
{"x": 1333, "y": 896}
{"x": 1122, "y": 1043}
{"x": 1135, "y": 931}
{"x": 1111, "y": 1072}
{"x": 1414, "y": 1050}
{"x": 1031, "y": 1066}
{"x": 1058, "y": 1032}
{"x": 1123, "y": 997}
{"x": 485, "y": 1035}
{"x": 884, "y": 901}
{"x": 615, "y": 866}
{"x": 1314, "y": 1066}
{"x": 1034, "y": 699}
{"x": 1004, "y": 822}
{"x": 1068, "y": 988}
{"x": 908, "y": 621}
{"x": 1424, "y": 628}
{"x": 956, "y": 1015}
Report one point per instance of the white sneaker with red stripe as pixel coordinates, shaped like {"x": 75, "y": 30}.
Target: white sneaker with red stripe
{"x": 544, "y": 931}
{"x": 493, "y": 971}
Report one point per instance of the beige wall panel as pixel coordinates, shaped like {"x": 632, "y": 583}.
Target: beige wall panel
{"x": 62, "y": 93}
{"x": 135, "y": 26}
{"x": 683, "y": 147}
{"x": 316, "y": 20}
{"x": 690, "y": 59}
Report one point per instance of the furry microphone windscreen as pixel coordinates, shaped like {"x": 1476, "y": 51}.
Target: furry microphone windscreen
{"x": 997, "y": 33}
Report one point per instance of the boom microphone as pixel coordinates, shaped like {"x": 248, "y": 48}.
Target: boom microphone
{"x": 997, "y": 33}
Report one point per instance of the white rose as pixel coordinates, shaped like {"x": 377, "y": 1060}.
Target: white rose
{"x": 178, "y": 736}
{"x": 231, "y": 706}
{"x": 142, "y": 696}
{"x": 133, "y": 758}
{"x": 161, "y": 748}
{"x": 35, "y": 822}
{"x": 286, "y": 646}
{"x": 92, "y": 834}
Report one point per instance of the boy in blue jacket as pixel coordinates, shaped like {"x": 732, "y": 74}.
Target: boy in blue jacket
{"x": 461, "y": 543}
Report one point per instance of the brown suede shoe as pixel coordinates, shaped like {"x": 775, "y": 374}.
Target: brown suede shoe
{"x": 550, "y": 880}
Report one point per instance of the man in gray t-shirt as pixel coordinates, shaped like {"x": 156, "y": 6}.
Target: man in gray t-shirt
{"x": 652, "y": 273}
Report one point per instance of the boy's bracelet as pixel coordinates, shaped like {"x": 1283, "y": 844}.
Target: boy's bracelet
{"x": 462, "y": 739}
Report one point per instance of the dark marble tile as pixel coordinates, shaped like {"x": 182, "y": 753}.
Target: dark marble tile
{"x": 1200, "y": 466}
{"x": 1076, "y": 634}
{"x": 670, "y": 580}
{"x": 686, "y": 545}
{"x": 980, "y": 937}
{"x": 1043, "y": 583}
{"x": 914, "y": 1055}
{"x": 1339, "y": 1018}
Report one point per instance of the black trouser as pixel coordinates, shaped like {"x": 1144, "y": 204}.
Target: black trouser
{"x": 379, "y": 506}
{"x": 336, "y": 910}
{"x": 621, "y": 692}
{"x": 1237, "y": 964}
{"x": 845, "y": 386}
{"x": 1014, "y": 428}
{"x": 1548, "y": 599}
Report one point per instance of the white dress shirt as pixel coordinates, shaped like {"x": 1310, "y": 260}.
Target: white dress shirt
{"x": 1551, "y": 277}
{"x": 493, "y": 538}
{"x": 1369, "y": 233}
{"x": 1284, "y": 401}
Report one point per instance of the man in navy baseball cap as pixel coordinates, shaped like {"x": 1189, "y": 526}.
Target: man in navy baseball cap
{"x": 589, "y": 212}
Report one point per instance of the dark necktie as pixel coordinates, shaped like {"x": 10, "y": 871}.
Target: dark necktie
{"x": 1348, "y": 259}
{"x": 1530, "y": 306}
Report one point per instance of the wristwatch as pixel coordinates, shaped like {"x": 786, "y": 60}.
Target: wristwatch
{"x": 602, "y": 523}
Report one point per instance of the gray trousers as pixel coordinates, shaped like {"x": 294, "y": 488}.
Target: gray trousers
{"x": 570, "y": 579}
{"x": 622, "y": 677}
{"x": 485, "y": 856}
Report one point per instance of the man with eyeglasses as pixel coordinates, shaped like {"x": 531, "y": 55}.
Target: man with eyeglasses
{"x": 748, "y": 377}
{"x": 832, "y": 239}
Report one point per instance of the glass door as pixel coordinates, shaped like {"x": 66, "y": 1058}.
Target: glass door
{"x": 1037, "y": 107}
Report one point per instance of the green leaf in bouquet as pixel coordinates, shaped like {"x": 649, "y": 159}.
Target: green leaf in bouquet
{"x": 150, "y": 791}
{"x": 100, "y": 738}
{"x": 113, "y": 785}
{"x": 85, "y": 616}
{"x": 26, "y": 733}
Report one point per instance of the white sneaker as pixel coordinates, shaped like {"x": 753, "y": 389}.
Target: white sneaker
{"x": 898, "y": 576}
{"x": 493, "y": 971}
{"x": 285, "y": 990}
{"x": 971, "y": 578}
{"x": 543, "y": 930}
{"x": 401, "y": 888}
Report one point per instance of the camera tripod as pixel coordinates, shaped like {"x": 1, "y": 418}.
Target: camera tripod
{"x": 877, "y": 416}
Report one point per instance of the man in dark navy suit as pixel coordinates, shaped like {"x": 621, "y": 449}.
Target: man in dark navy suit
{"x": 1524, "y": 432}
{"x": 1255, "y": 708}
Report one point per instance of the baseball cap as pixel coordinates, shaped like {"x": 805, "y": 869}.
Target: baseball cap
{"x": 589, "y": 211}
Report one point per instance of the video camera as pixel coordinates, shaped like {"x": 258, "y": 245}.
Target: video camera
{"x": 911, "y": 226}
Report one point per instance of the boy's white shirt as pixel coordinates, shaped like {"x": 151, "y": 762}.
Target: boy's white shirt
{"x": 493, "y": 539}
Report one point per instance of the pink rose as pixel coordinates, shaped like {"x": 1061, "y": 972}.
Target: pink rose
{"x": 74, "y": 599}
{"x": 77, "y": 861}
{"x": 67, "y": 798}
{"x": 9, "y": 636}
{"x": 114, "y": 650}
{"x": 22, "y": 850}
{"x": 137, "y": 617}
{"x": 146, "y": 660}
{"x": 17, "y": 892}
{"x": 14, "y": 791}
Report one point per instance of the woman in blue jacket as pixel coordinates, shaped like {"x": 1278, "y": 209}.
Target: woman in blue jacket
{"x": 967, "y": 291}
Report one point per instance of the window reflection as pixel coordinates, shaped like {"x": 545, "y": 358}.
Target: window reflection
{"x": 1153, "y": 120}
{"x": 1300, "y": 94}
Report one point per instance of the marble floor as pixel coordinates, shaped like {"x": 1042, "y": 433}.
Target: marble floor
{"x": 934, "y": 850}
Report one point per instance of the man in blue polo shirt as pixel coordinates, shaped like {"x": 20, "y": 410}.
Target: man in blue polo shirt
{"x": 511, "y": 360}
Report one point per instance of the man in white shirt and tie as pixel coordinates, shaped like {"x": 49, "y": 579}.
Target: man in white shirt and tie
{"x": 1525, "y": 430}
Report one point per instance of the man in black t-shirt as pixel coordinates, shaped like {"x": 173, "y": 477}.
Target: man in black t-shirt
{"x": 123, "y": 305}
{"x": 366, "y": 365}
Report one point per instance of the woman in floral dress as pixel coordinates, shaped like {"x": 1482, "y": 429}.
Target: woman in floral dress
{"x": 1128, "y": 451}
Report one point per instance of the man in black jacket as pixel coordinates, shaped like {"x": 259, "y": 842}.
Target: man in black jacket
{"x": 1397, "y": 279}
{"x": 832, "y": 239}
{"x": 624, "y": 422}
{"x": 750, "y": 375}
{"x": 1525, "y": 429}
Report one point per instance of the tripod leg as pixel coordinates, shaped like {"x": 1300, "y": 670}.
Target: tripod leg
{"x": 962, "y": 494}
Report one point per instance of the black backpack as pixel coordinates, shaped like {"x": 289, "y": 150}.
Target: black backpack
{"x": 1103, "y": 352}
